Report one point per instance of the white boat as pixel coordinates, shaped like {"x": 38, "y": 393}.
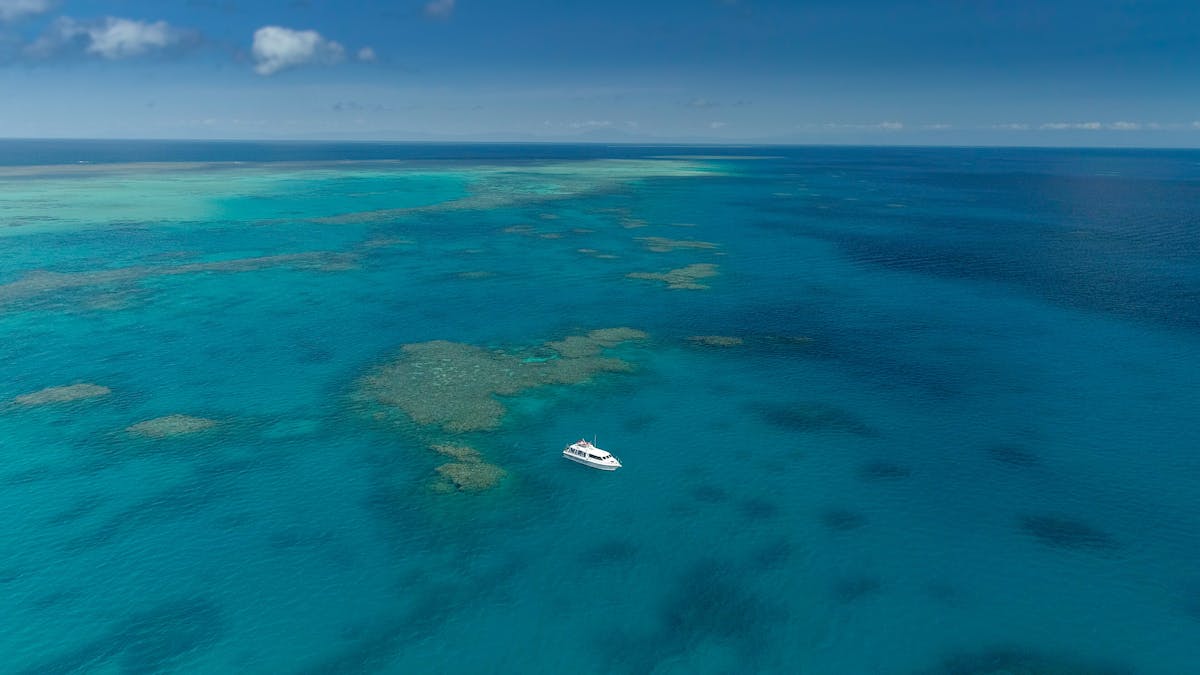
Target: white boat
{"x": 585, "y": 453}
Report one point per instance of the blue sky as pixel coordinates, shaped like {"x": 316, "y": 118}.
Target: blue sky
{"x": 1016, "y": 72}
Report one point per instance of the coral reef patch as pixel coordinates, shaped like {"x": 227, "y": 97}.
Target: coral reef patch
{"x": 468, "y": 476}
{"x": 1012, "y": 661}
{"x": 708, "y": 606}
{"x": 683, "y": 278}
{"x": 468, "y": 473}
{"x": 855, "y": 588}
{"x": 843, "y": 520}
{"x": 1067, "y": 533}
{"x": 715, "y": 340}
{"x": 63, "y": 394}
{"x": 667, "y": 245}
{"x": 812, "y": 416}
{"x": 1013, "y": 455}
{"x": 455, "y": 386}
{"x": 170, "y": 426}
{"x": 881, "y": 470}
{"x": 39, "y": 283}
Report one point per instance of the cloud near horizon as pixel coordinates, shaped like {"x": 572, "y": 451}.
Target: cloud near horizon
{"x": 14, "y": 10}
{"x": 277, "y": 48}
{"x": 110, "y": 38}
{"x": 439, "y": 9}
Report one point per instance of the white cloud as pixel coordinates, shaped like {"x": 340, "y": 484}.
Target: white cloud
{"x": 122, "y": 38}
{"x": 1059, "y": 126}
{"x": 1012, "y": 126}
{"x": 366, "y": 54}
{"x": 110, "y": 38}
{"x": 1125, "y": 126}
{"x": 439, "y": 9}
{"x": 937, "y": 126}
{"x": 590, "y": 124}
{"x": 885, "y": 126}
{"x": 12, "y": 10}
{"x": 717, "y": 125}
{"x": 277, "y": 48}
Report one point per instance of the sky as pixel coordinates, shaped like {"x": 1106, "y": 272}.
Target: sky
{"x": 942, "y": 72}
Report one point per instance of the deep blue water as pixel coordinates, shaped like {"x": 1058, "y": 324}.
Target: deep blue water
{"x": 958, "y": 435}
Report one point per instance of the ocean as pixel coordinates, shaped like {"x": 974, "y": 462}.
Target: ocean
{"x": 300, "y": 408}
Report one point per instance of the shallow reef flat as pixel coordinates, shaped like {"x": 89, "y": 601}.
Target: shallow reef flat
{"x": 170, "y": 426}
{"x": 38, "y": 283}
{"x": 455, "y": 386}
{"x": 667, "y": 245}
{"x": 716, "y": 340}
{"x": 62, "y": 394}
{"x": 91, "y": 195}
{"x": 449, "y": 389}
{"x": 499, "y": 187}
{"x": 469, "y": 472}
{"x": 682, "y": 278}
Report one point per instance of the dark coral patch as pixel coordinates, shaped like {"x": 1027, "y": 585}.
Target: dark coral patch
{"x": 771, "y": 556}
{"x": 707, "y": 603}
{"x": 609, "y": 552}
{"x": 842, "y": 520}
{"x": 757, "y": 508}
{"x": 1013, "y": 455}
{"x": 855, "y": 588}
{"x": 709, "y": 494}
{"x": 873, "y": 471}
{"x": 1066, "y": 533}
{"x": 812, "y": 417}
{"x": 1013, "y": 661}
{"x": 158, "y": 640}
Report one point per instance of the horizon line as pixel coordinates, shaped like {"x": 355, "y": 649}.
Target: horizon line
{"x": 577, "y": 142}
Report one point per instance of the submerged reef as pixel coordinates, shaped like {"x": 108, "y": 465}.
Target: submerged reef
{"x": 1067, "y": 533}
{"x": 882, "y": 470}
{"x": 170, "y": 426}
{"x": 476, "y": 274}
{"x": 715, "y": 340}
{"x": 468, "y": 476}
{"x": 450, "y": 388}
{"x": 1013, "y": 455}
{"x": 710, "y": 606}
{"x": 158, "y": 639}
{"x": 493, "y": 187}
{"x": 455, "y": 386}
{"x": 39, "y": 283}
{"x": 667, "y": 245}
{"x": 856, "y": 587}
{"x": 842, "y": 520}
{"x": 1011, "y": 661}
{"x": 683, "y": 278}
{"x": 812, "y": 416}
{"x": 71, "y": 392}
{"x": 596, "y": 254}
{"x": 468, "y": 472}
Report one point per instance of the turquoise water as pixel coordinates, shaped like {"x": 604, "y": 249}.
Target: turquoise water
{"x": 957, "y": 434}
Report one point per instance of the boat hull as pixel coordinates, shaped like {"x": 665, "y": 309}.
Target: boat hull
{"x": 602, "y": 467}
